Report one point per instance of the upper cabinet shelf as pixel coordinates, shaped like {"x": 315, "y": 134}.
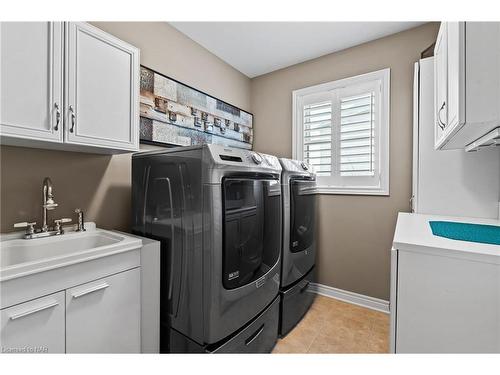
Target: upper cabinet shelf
{"x": 466, "y": 83}
{"x": 68, "y": 86}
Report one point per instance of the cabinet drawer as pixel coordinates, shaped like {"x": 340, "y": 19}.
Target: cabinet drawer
{"x": 259, "y": 337}
{"x": 103, "y": 316}
{"x": 36, "y": 326}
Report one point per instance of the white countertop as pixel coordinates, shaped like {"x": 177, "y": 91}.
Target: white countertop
{"x": 413, "y": 233}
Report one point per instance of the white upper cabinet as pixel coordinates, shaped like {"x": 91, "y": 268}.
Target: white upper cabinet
{"x": 440, "y": 82}
{"x": 101, "y": 89}
{"x": 467, "y": 82}
{"x": 31, "y": 80}
{"x": 97, "y": 107}
{"x": 456, "y": 74}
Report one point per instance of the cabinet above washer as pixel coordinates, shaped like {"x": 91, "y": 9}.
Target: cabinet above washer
{"x": 68, "y": 86}
{"x": 466, "y": 82}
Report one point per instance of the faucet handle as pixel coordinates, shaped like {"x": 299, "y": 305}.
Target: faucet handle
{"x": 58, "y": 224}
{"x": 30, "y": 227}
{"x": 24, "y": 224}
{"x": 63, "y": 220}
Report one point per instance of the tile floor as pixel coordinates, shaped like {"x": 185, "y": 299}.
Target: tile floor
{"x": 333, "y": 326}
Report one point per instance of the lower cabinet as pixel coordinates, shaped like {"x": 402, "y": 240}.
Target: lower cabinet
{"x": 103, "y": 316}
{"x": 444, "y": 303}
{"x": 36, "y": 326}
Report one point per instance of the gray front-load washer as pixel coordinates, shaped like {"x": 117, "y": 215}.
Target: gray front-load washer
{"x": 216, "y": 211}
{"x": 299, "y": 242}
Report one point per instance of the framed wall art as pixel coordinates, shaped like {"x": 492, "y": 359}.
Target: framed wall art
{"x": 174, "y": 114}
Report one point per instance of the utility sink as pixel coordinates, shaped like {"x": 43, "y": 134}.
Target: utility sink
{"x": 19, "y": 257}
{"x": 22, "y": 251}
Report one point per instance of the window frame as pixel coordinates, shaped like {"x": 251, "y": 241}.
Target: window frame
{"x": 382, "y": 138}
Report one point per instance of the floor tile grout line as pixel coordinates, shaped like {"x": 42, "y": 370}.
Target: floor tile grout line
{"x": 312, "y": 341}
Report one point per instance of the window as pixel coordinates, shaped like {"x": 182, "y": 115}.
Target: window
{"x": 341, "y": 128}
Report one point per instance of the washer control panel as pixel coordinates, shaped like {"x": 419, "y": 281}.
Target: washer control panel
{"x": 235, "y": 156}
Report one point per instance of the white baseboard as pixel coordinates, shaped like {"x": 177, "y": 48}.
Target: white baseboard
{"x": 351, "y": 297}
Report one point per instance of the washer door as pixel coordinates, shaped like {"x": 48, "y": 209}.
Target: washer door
{"x": 251, "y": 220}
{"x": 242, "y": 256}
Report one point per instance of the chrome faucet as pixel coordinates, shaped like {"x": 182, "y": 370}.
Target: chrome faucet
{"x": 48, "y": 203}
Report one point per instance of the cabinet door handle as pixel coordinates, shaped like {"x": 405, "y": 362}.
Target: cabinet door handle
{"x": 90, "y": 290}
{"x": 73, "y": 119}
{"x": 441, "y": 124}
{"x": 33, "y": 310}
{"x": 58, "y": 116}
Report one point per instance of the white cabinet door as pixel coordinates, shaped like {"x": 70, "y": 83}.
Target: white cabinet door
{"x": 446, "y": 304}
{"x": 441, "y": 84}
{"x": 103, "y": 316}
{"x": 102, "y": 85}
{"x": 36, "y": 326}
{"x": 467, "y": 82}
{"x": 31, "y": 80}
{"x": 456, "y": 74}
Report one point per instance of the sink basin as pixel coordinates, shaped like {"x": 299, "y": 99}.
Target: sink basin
{"x": 19, "y": 257}
{"x": 22, "y": 251}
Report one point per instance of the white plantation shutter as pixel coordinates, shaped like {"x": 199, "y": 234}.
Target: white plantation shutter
{"x": 343, "y": 133}
{"x": 357, "y": 122}
{"x": 318, "y": 136}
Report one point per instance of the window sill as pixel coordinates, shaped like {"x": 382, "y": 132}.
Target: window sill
{"x": 326, "y": 190}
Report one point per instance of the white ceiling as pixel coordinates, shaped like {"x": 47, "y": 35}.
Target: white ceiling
{"x": 256, "y": 48}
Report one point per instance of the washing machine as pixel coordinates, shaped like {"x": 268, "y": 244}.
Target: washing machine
{"x": 298, "y": 183}
{"x": 217, "y": 213}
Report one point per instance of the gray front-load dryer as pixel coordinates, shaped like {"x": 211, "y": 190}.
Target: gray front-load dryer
{"x": 216, "y": 211}
{"x": 299, "y": 242}
{"x": 299, "y": 220}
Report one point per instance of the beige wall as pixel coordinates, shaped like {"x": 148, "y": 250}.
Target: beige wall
{"x": 172, "y": 53}
{"x": 98, "y": 184}
{"x": 355, "y": 232}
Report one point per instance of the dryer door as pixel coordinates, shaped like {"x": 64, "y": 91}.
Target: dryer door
{"x": 300, "y": 247}
{"x": 302, "y": 214}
